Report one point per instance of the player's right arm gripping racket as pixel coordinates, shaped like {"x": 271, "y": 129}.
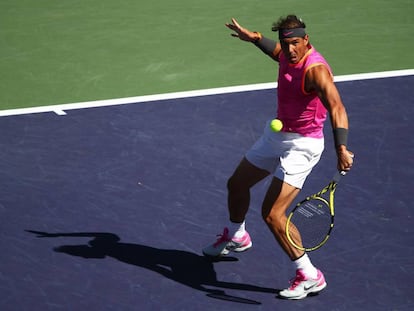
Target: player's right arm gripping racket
{"x": 313, "y": 218}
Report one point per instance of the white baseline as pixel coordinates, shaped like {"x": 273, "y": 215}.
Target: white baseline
{"x": 61, "y": 109}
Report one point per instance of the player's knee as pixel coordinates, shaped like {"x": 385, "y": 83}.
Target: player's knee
{"x": 274, "y": 221}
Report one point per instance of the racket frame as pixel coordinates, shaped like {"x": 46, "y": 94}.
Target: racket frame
{"x": 331, "y": 187}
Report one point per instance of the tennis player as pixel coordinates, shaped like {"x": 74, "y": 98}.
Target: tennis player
{"x": 306, "y": 94}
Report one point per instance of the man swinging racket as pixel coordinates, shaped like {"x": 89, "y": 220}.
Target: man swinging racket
{"x": 306, "y": 94}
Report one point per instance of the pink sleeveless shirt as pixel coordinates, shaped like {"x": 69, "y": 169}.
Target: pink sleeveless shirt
{"x": 299, "y": 111}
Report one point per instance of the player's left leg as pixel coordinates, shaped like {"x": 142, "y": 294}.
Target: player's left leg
{"x": 308, "y": 279}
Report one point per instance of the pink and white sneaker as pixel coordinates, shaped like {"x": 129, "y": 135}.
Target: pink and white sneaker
{"x": 301, "y": 286}
{"x": 226, "y": 244}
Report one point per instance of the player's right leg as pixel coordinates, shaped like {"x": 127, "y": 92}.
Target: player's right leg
{"x": 234, "y": 237}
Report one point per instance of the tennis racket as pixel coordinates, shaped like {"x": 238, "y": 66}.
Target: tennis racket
{"x": 313, "y": 218}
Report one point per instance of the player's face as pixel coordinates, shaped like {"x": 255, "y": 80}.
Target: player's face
{"x": 295, "y": 48}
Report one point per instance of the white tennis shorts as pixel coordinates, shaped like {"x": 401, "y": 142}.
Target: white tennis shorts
{"x": 288, "y": 156}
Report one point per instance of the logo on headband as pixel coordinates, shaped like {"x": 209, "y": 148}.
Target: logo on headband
{"x": 287, "y": 33}
{"x": 291, "y": 33}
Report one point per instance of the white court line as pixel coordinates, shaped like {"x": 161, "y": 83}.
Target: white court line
{"x": 61, "y": 109}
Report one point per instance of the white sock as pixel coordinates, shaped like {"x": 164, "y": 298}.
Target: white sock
{"x": 306, "y": 266}
{"x": 237, "y": 230}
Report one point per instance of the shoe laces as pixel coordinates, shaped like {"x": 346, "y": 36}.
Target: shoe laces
{"x": 300, "y": 277}
{"x": 224, "y": 237}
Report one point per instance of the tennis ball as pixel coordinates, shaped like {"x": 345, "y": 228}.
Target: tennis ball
{"x": 276, "y": 125}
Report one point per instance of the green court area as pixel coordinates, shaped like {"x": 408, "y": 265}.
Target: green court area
{"x": 56, "y": 52}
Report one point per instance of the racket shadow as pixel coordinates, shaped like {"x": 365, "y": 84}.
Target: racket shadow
{"x": 184, "y": 267}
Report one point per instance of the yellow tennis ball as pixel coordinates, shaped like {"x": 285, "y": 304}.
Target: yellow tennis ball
{"x": 276, "y": 125}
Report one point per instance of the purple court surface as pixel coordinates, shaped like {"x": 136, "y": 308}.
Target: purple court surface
{"x": 108, "y": 208}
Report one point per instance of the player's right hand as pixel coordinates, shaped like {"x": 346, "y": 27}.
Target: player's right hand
{"x": 241, "y": 32}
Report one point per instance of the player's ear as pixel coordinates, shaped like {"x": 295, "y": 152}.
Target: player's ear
{"x": 306, "y": 39}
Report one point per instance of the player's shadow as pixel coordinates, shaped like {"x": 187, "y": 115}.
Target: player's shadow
{"x": 183, "y": 267}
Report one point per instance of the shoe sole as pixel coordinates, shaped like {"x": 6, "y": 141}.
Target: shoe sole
{"x": 311, "y": 292}
{"x": 242, "y": 249}
{"x": 225, "y": 252}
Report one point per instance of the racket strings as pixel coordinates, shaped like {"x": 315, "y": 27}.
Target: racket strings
{"x": 313, "y": 220}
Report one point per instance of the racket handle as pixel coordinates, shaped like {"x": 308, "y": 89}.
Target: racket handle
{"x": 338, "y": 176}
